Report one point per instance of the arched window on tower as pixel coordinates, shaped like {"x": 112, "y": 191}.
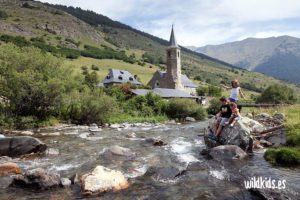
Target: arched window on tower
{"x": 169, "y": 54}
{"x": 178, "y": 54}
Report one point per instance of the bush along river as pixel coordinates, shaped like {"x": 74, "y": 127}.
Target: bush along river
{"x": 138, "y": 161}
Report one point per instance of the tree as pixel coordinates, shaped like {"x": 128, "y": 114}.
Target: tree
{"x": 277, "y": 94}
{"x": 91, "y": 80}
{"x": 33, "y": 82}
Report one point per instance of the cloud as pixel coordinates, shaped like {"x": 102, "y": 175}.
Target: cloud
{"x": 202, "y": 22}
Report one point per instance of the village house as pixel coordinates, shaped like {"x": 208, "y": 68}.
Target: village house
{"x": 116, "y": 76}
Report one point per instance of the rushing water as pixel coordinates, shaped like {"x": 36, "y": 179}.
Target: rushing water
{"x": 80, "y": 152}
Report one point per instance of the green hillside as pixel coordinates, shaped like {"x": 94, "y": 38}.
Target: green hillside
{"x": 93, "y": 39}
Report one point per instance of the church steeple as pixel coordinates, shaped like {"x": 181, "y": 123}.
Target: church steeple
{"x": 173, "y": 42}
{"x": 173, "y": 75}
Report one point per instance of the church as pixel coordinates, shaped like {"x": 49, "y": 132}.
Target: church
{"x": 172, "y": 77}
{"x": 171, "y": 83}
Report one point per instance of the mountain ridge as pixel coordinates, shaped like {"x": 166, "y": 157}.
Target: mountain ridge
{"x": 261, "y": 55}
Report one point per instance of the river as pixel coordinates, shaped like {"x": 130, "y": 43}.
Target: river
{"x": 202, "y": 178}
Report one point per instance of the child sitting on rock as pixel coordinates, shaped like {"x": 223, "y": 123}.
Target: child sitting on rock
{"x": 235, "y": 114}
{"x": 222, "y": 117}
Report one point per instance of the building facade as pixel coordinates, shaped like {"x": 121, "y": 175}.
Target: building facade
{"x": 172, "y": 78}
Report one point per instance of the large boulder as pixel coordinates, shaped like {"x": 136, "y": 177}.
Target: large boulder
{"x": 9, "y": 168}
{"x": 227, "y": 152}
{"x": 239, "y": 134}
{"x": 102, "y": 179}
{"x": 277, "y": 138}
{"x": 37, "y": 179}
{"x": 20, "y": 145}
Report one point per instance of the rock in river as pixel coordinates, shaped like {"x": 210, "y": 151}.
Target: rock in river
{"x": 9, "y": 168}
{"x": 20, "y": 145}
{"x": 102, "y": 179}
{"x": 227, "y": 152}
{"x": 37, "y": 179}
{"x": 120, "y": 151}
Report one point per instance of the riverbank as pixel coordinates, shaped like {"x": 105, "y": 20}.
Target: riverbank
{"x": 288, "y": 155}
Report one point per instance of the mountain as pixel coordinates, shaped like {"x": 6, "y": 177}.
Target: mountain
{"x": 275, "y": 56}
{"x": 84, "y": 39}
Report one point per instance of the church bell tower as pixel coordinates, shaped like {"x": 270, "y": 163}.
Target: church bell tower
{"x": 173, "y": 75}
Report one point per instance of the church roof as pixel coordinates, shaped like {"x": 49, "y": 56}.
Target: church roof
{"x": 173, "y": 42}
{"x": 164, "y": 93}
{"x": 120, "y": 76}
{"x": 185, "y": 81}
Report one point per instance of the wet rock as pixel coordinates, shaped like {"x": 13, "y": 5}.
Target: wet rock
{"x": 65, "y": 182}
{"x": 265, "y": 143}
{"x": 20, "y": 145}
{"x": 26, "y": 133}
{"x": 190, "y": 119}
{"x": 51, "y": 134}
{"x": 37, "y": 179}
{"x": 227, "y": 152}
{"x": 9, "y": 168}
{"x": 131, "y": 135}
{"x": 277, "y": 138}
{"x": 272, "y": 194}
{"x": 239, "y": 134}
{"x": 172, "y": 121}
{"x": 74, "y": 179}
{"x": 115, "y": 126}
{"x": 52, "y": 152}
{"x": 84, "y": 135}
{"x": 156, "y": 141}
{"x": 94, "y": 138}
{"x": 164, "y": 173}
{"x": 119, "y": 151}
{"x": 94, "y": 128}
{"x": 102, "y": 179}
{"x": 74, "y": 132}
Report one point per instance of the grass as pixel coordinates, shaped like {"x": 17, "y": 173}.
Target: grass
{"x": 290, "y": 154}
{"x": 144, "y": 72}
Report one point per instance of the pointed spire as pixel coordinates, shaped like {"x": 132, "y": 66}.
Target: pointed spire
{"x": 173, "y": 42}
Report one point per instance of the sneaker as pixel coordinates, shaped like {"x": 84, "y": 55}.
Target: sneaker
{"x": 231, "y": 125}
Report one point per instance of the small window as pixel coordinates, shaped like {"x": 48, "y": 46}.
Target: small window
{"x": 108, "y": 77}
{"x": 169, "y": 54}
{"x": 120, "y": 77}
{"x": 121, "y": 72}
{"x": 178, "y": 54}
{"x": 157, "y": 83}
{"x": 130, "y": 78}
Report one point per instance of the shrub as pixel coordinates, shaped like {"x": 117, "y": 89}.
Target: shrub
{"x": 95, "y": 67}
{"x": 90, "y": 107}
{"x": 84, "y": 67}
{"x": 32, "y": 81}
{"x": 202, "y": 91}
{"x": 182, "y": 108}
{"x": 3, "y": 14}
{"x": 277, "y": 94}
{"x": 214, "y": 106}
{"x": 283, "y": 156}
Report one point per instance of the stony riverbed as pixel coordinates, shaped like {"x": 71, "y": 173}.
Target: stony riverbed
{"x": 175, "y": 170}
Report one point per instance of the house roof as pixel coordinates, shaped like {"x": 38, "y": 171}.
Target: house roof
{"x": 186, "y": 82}
{"x": 120, "y": 76}
{"x": 164, "y": 93}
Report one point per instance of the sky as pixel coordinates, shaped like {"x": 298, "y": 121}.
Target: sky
{"x": 201, "y": 22}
